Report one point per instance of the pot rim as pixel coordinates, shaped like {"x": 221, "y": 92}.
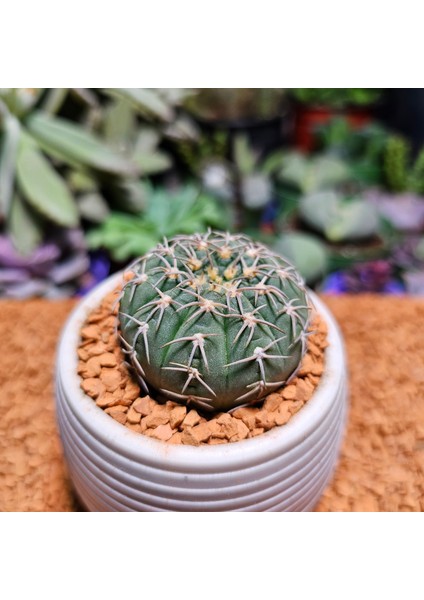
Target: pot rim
{"x": 176, "y": 457}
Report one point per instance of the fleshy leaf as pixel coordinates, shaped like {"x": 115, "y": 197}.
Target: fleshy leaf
{"x": 93, "y": 207}
{"x": 8, "y": 153}
{"x": 54, "y": 99}
{"x": 339, "y": 219}
{"x": 79, "y": 181}
{"x": 244, "y": 156}
{"x": 20, "y": 101}
{"x": 145, "y": 100}
{"x": 128, "y": 195}
{"x": 147, "y": 140}
{"x": 70, "y": 269}
{"x": 315, "y": 173}
{"x": 76, "y": 145}
{"x": 306, "y": 252}
{"x": 151, "y": 163}
{"x": 183, "y": 128}
{"x": 119, "y": 125}
{"x": 43, "y": 188}
{"x": 25, "y": 227}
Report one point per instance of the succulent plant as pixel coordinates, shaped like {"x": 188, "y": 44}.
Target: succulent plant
{"x": 214, "y": 320}
{"x": 405, "y": 211}
{"x": 362, "y": 147}
{"x": 56, "y": 268}
{"x": 310, "y": 174}
{"x": 306, "y": 252}
{"x": 337, "y": 218}
{"x": 396, "y": 160}
{"x": 236, "y": 103}
{"x": 183, "y": 210}
{"x": 54, "y": 170}
{"x": 337, "y": 97}
{"x": 401, "y": 173}
{"x": 37, "y": 149}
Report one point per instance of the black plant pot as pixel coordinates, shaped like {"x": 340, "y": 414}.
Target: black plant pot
{"x": 265, "y": 135}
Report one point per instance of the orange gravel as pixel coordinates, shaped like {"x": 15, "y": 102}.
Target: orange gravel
{"x": 32, "y": 472}
{"x": 382, "y": 462}
{"x": 106, "y": 379}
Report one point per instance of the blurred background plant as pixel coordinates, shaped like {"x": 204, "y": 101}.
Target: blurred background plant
{"x": 236, "y": 104}
{"x": 90, "y": 178}
{"x": 167, "y": 213}
{"x": 336, "y": 97}
{"x": 58, "y": 172}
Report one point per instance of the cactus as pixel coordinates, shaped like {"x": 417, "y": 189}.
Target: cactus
{"x": 213, "y": 320}
{"x": 396, "y": 163}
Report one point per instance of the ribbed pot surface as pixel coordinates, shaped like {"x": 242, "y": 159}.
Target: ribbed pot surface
{"x": 114, "y": 468}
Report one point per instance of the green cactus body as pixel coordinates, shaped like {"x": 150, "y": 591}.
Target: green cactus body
{"x": 214, "y": 320}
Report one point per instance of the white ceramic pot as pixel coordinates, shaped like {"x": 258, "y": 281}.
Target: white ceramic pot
{"x": 116, "y": 469}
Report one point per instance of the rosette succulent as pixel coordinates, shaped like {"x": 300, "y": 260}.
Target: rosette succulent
{"x": 214, "y": 320}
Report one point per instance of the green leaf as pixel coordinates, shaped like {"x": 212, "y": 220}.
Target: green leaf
{"x": 79, "y": 181}
{"x": 54, "y": 99}
{"x": 175, "y": 96}
{"x": 327, "y": 171}
{"x": 145, "y": 100}
{"x": 119, "y": 125}
{"x": 86, "y": 96}
{"x": 124, "y": 236}
{"x": 147, "y": 140}
{"x": 168, "y": 214}
{"x": 337, "y": 218}
{"x": 183, "y": 129}
{"x": 294, "y": 169}
{"x": 151, "y": 163}
{"x": 8, "y": 154}
{"x": 244, "y": 156}
{"x": 306, "y": 252}
{"x": 93, "y": 207}
{"x": 309, "y": 174}
{"x": 25, "y": 226}
{"x": 127, "y": 195}
{"x": 43, "y": 188}
{"x": 56, "y": 156}
{"x": 272, "y": 163}
{"x": 20, "y": 101}
{"x": 76, "y": 145}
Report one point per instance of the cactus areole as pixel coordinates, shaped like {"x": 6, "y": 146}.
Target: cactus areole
{"x": 213, "y": 320}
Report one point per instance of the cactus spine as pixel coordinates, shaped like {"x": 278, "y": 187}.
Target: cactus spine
{"x": 214, "y": 320}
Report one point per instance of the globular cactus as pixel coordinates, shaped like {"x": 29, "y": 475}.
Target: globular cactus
{"x": 213, "y": 320}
